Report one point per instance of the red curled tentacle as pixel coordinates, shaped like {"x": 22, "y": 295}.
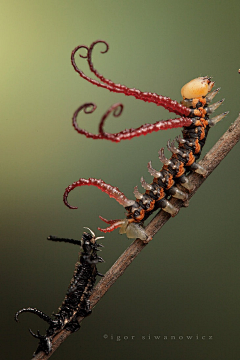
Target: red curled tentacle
{"x": 88, "y": 108}
{"x": 145, "y": 129}
{"x": 114, "y": 224}
{"x": 112, "y": 192}
{"x": 116, "y": 109}
{"x": 159, "y": 100}
{"x": 127, "y": 134}
{"x": 86, "y": 48}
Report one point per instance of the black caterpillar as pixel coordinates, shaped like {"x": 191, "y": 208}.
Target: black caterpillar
{"x": 196, "y": 98}
{"x": 76, "y": 302}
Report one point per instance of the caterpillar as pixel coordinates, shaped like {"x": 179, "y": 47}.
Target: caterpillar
{"x": 76, "y": 302}
{"x": 194, "y": 109}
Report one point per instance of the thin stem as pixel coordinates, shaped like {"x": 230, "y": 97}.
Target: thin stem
{"x": 210, "y": 162}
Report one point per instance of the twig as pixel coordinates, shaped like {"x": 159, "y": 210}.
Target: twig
{"x": 210, "y": 162}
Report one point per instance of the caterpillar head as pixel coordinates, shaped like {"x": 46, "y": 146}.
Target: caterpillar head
{"x": 197, "y": 88}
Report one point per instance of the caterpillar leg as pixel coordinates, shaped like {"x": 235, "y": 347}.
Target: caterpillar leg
{"x": 36, "y": 312}
{"x": 134, "y": 230}
{"x": 199, "y": 169}
{"x": 178, "y": 194}
{"x": 186, "y": 183}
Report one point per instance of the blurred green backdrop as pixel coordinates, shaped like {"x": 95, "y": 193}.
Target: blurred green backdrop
{"x": 186, "y": 282}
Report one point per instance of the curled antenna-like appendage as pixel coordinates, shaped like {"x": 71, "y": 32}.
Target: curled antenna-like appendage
{"x": 112, "y": 192}
{"x": 88, "y": 108}
{"x": 36, "y": 312}
{"x": 92, "y": 68}
{"x": 153, "y": 172}
{"x": 145, "y": 185}
{"x": 137, "y": 194}
{"x": 83, "y": 47}
{"x": 126, "y": 134}
{"x": 116, "y": 110}
{"x": 163, "y": 158}
{"x": 159, "y": 100}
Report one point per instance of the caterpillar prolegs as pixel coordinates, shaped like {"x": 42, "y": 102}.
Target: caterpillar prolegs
{"x": 76, "y": 301}
{"x": 194, "y": 109}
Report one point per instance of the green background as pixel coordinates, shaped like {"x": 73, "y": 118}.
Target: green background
{"x": 186, "y": 282}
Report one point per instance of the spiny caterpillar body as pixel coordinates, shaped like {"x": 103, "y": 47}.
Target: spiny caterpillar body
{"x": 194, "y": 110}
{"x": 76, "y": 302}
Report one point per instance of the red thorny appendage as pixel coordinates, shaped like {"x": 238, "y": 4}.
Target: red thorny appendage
{"x": 112, "y": 192}
{"x": 159, "y": 100}
{"x": 127, "y": 134}
{"x": 114, "y": 224}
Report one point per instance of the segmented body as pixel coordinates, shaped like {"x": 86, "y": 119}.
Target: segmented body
{"x": 194, "y": 111}
{"x": 76, "y": 301}
{"x": 175, "y": 169}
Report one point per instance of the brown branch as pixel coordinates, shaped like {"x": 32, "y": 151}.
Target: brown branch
{"x": 210, "y": 162}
